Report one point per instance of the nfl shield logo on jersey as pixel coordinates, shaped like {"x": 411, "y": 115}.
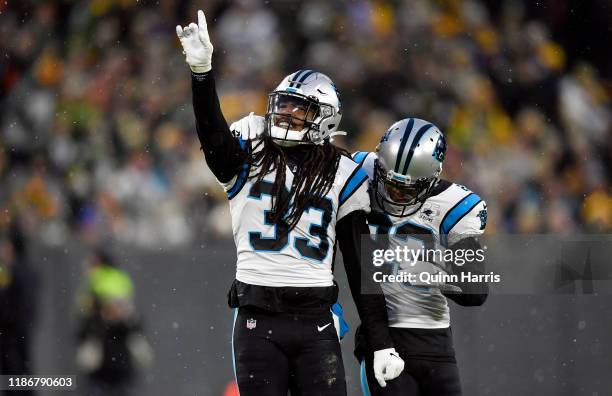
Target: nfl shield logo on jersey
{"x": 251, "y": 324}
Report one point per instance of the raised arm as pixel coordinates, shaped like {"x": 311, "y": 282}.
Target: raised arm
{"x": 221, "y": 150}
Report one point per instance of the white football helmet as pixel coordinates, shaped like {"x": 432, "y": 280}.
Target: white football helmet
{"x": 304, "y": 109}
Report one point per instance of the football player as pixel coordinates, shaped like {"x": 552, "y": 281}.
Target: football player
{"x": 292, "y": 195}
{"x": 415, "y": 208}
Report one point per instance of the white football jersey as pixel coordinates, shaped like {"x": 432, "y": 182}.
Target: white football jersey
{"x": 445, "y": 218}
{"x": 270, "y": 255}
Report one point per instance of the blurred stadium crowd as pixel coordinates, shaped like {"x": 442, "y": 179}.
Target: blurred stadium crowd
{"x": 98, "y": 137}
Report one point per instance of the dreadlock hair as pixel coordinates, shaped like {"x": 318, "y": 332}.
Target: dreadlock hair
{"x": 313, "y": 178}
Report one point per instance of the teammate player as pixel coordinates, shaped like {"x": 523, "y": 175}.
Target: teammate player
{"x": 412, "y": 205}
{"x": 292, "y": 194}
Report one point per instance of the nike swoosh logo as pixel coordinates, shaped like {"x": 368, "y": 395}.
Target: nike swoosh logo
{"x": 321, "y": 328}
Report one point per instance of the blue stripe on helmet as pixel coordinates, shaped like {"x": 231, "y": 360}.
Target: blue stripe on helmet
{"x": 305, "y": 76}
{"x": 400, "y": 153}
{"x": 456, "y": 213}
{"x": 415, "y": 142}
{"x": 295, "y": 77}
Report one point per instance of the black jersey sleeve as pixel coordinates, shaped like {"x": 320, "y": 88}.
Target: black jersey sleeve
{"x": 221, "y": 150}
{"x": 472, "y": 293}
{"x": 367, "y": 294}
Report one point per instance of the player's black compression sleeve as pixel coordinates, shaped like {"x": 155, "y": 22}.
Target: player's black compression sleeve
{"x": 222, "y": 151}
{"x": 472, "y": 293}
{"x": 368, "y": 295}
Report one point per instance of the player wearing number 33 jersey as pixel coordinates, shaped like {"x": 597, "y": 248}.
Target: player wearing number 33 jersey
{"x": 292, "y": 195}
{"x": 271, "y": 254}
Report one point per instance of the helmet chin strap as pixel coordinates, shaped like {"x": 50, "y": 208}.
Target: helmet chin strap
{"x": 405, "y": 210}
{"x": 336, "y": 133}
{"x": 293, "y": 143}
{"x": 286, "y": 143}
{"x": 280, "y": 141}
{"x": 420, "y": 201}
{"x": 397, "y": 209}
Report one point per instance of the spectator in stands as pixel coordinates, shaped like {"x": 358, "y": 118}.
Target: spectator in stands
{"x": 111, "y": 345}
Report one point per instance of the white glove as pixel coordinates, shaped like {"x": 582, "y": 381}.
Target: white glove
{"x": 196, "y": 44}
{"x": 387, "y": 365}
{"x": 248, "y": 127}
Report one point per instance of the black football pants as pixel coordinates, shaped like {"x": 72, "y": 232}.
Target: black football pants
{"x": 431, "y": 372}
{"x": 419, "y": 378}
{"x": 279, "y": 352}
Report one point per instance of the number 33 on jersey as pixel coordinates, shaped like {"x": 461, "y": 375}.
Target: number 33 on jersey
{"x": 271, "y": 254}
